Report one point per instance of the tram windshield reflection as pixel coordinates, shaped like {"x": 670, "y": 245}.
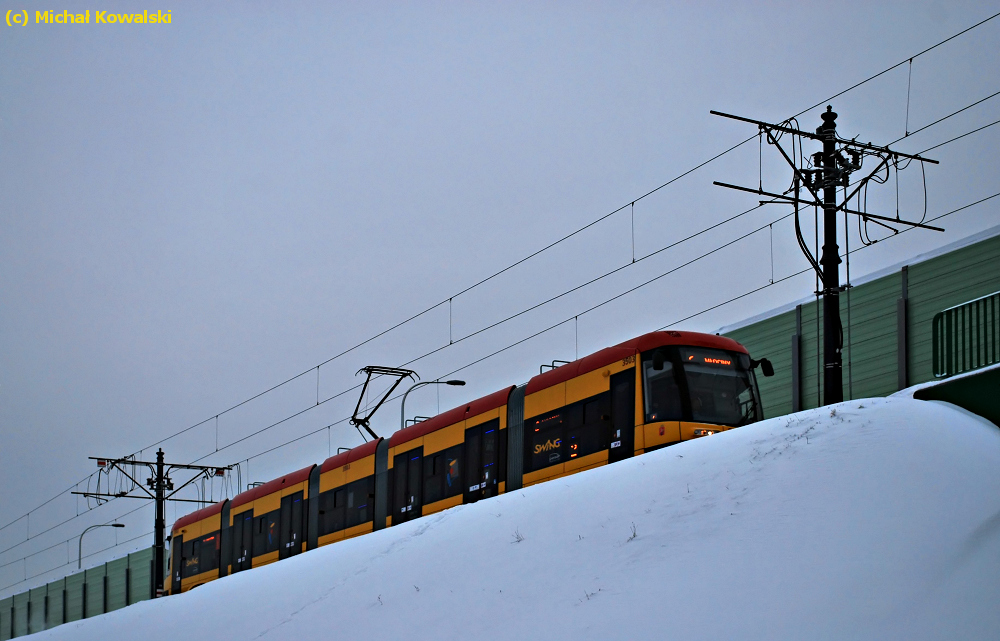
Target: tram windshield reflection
{"x": 720, "y": 387}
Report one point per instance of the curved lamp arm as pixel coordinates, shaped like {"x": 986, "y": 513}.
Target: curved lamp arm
{"x": 402, "y": 405}
{"x": 79, "y": 556}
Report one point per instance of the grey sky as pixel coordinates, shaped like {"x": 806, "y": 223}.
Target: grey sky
{"x": 193, "y": 212}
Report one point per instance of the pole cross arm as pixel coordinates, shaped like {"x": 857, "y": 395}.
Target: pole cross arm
{"x": 204, "y": 473}
{"x": 202, "y": 468}
{"x": 173, "y": 466}
{"x": 813, "y": 203}
{"x": 770, "y": 126}
{"x": 117, "y": 465}
{"x": 145, "y": 498}
{"x": 807, "y": 134}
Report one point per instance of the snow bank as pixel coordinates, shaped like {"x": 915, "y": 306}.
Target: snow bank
{"x": 872, "y": 519}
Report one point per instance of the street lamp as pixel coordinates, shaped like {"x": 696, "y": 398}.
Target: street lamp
{"x": 79, "y": 556}
{"x": 402, "y": 406}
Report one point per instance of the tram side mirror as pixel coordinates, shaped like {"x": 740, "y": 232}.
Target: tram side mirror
{"x": 765, "y": 366}
{"x": 658, "y": 359}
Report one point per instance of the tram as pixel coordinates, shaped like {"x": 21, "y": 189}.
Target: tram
{"x": 622, "y": 401}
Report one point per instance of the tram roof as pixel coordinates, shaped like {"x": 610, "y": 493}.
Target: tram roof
{"x": 643, "y": 343}
{"x": 452, "y": 416}
{"x": 272, "y": 486}
{"x": 351, "y": 455}
{"x": 198, "y": 515}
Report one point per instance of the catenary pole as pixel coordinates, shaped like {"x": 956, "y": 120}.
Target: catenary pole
{"x": 833, "y": 389}
{"x": 160, "y": 525}
{"x": 160, "y": 490}
{"x": 831, "y": 169}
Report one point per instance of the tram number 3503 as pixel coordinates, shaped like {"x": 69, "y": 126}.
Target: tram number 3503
{"x": 628, "y": 360}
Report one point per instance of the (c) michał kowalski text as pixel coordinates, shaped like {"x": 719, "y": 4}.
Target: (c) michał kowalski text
{"x": 101, "y": 17}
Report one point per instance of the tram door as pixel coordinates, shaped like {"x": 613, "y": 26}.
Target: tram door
{"x": 242, "y": 541}
{"x": 290, "y": 526}
{"x": 622, "y": 416}
{"x": 482, "y": 461}
{"x": 407, "y": 471}
{"x": 176, "y": 563}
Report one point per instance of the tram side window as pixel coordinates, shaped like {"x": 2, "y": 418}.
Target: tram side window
{"x": 661, "y": 394}
{"x": 208, "y": 552}
{"x": 443, "y": 474}
{"x": 265, "y": 533}
{"x": 592, "y": 412}
{"x": 189, "y": 560}
{"x": 332, "y": 504}
{"x": 242, "y": 534}
{"x": 359, "y": 501}
{"x": 587, "y": 431}
{"x": 545, "y": 441}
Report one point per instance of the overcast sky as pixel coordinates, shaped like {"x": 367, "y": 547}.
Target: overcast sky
{"x": 193, "y": 212}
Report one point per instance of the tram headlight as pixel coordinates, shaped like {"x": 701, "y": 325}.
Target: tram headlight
{"x": 703, "y": 432}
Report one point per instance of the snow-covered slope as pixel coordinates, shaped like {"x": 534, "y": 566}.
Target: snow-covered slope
{"x": 874, "y": 519}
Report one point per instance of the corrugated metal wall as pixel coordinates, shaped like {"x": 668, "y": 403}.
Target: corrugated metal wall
{"x": 104, "y": 588}
{"x": 870, "y": 338}
{"x": 140, "y": 566}
{"x": 55, "y": 615}
{"x": 870, "y": 314}
{"x": 6, "y": 606}
{"x": 117, "y": 571}
{"x": 74, "y": 597}
{"x": 36, "y": 609}
{"x": 94, "y": 581}
{"x": 21, "y": 614}
{"x": 772, "y": 338}
{"x": 811, "y": 359}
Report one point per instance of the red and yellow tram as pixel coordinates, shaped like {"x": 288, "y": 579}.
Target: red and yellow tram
{"x": 650, "y": 392}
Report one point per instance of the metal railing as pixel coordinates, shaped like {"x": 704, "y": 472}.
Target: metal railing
{"x": 965, "y": 336}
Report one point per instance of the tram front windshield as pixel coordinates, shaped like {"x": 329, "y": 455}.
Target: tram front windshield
{"x": 719, "y": 387}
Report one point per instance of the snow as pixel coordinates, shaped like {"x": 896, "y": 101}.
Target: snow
{"x": 875, "y": 519}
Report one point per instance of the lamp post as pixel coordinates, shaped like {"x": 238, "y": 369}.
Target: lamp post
{"x": 79, "y": 556}
{"x": 402, "y": 406}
